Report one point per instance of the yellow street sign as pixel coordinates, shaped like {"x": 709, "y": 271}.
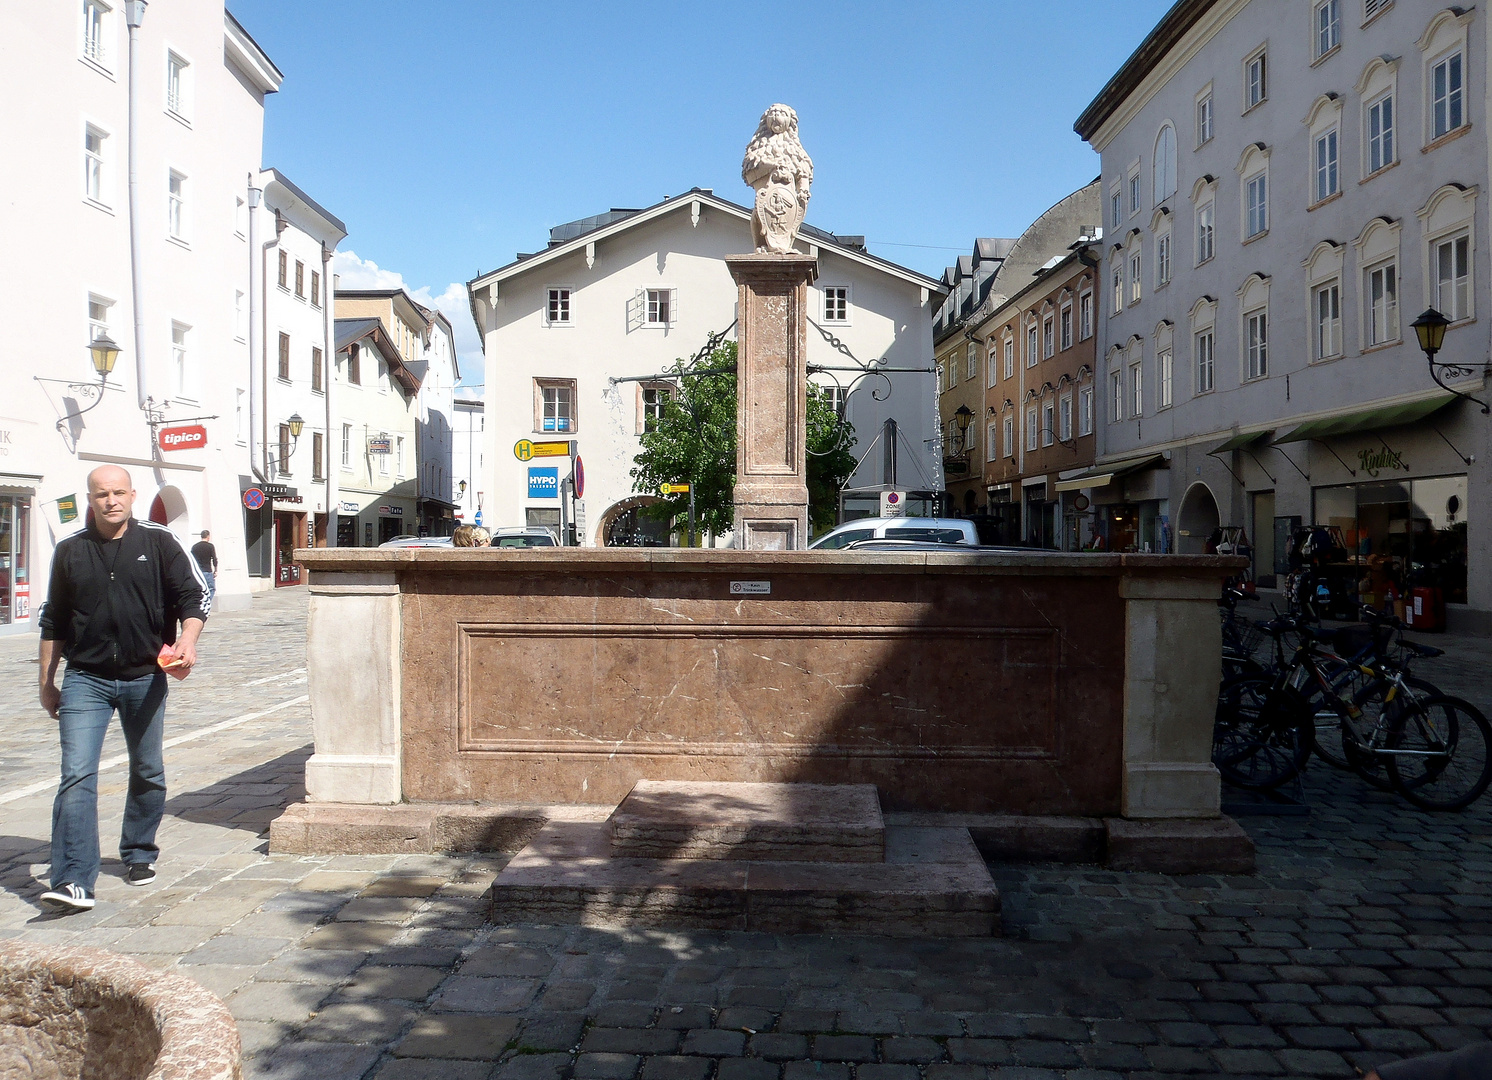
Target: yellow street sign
{"x": 673, "y": 489}
{"x": 525, "y": 449}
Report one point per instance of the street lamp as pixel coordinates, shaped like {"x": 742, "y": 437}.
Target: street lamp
{"x": 1430, "y": 329}
{"x": 103, "y": 352}
{"x": 963, "y": 416}
{"x": 296, "y": 424}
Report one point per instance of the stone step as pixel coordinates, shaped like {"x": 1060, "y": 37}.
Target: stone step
{"x": 680, "y": 819}
{"x": 933, "y": 883}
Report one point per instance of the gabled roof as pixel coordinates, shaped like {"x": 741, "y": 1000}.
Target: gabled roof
{"x": 632, "y": 219}
{"x": 352, "y": 331}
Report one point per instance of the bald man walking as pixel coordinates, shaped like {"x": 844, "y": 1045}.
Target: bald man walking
{"x": 118, "y": 589}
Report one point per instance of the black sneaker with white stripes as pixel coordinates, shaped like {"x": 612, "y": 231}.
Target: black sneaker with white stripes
{"x": 68, "y": 898}
{"x": 140, "y": 873}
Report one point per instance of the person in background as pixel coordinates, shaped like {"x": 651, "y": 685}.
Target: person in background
{"x": 207, "y": 560}
{"x": 480, "y": 537}
{"x": 462, "y": 537}
{"x": 117, "y": 589}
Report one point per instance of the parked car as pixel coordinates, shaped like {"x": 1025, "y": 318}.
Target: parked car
{"x": 927, "y": 530}
{"x": 898, "y": 544}
{"x": 417, "y": 542}
{"x": 523, "y": 537}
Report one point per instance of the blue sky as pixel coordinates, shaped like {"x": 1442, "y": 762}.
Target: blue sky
{"x": 450, "y": 134}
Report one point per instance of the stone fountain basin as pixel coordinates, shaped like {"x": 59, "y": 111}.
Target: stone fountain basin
{"x": 96, "y": 1015}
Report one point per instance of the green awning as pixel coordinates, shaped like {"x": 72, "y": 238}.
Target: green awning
{"x": 1101, "y": 475}
{"x": 1242, "y": 442}
{"x": 1385, "y": 416}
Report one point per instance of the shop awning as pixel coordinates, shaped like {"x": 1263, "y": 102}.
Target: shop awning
{"x": 1385, "y": 416}
{"x": 1245, "y": 441}
{"x": 1105, "y": 474}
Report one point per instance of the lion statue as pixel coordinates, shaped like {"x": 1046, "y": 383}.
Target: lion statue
{"x": 780, "y": 170}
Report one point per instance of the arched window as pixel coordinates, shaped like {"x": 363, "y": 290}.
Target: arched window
{"x": 1164, "y": 167}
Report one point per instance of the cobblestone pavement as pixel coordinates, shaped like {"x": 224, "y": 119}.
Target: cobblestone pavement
{"x": 1366, "y": 935}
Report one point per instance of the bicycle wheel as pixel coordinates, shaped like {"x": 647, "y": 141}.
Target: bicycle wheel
{"x": 1262, "y": 735}
{"x": 1439, "y": 757}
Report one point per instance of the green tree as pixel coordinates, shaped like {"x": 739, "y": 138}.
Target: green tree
{"x": 694, "y": 442}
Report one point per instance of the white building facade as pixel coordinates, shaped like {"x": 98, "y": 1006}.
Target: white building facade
{"x": 468, "y": 455}
{"x": 1282, "y": 198}
{"x": 625, "y": 295}
{"x": 436, "y": 413}
{"x": 376, "y": 392}
{"x": 284, "y": 418}
{"x": 199, "y": 82}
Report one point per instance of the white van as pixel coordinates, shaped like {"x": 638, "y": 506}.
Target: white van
{"x": 927, "y": 530}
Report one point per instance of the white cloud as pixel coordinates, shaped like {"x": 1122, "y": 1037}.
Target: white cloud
{"x": 355, "y": 273}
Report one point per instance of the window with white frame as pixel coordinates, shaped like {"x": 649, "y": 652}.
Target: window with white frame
{"x": 1163, "y": 168}
{"x": 347, "y": 446}
{"x": 557, "y": 311}
{"x": 1326, "y": 316}
{"x": 1165, "y": 373}
{"x": 1032, "y": 429}
{"x": 180, "y": 372}
{"x": 1163, "y": 258}
{"x": 1116, "y": 209}
{"x": 1448, "y": 219}
{"x": 1380, "y": 133}
{"x": 97, "y": 29}
{"x": 1327, "y": 25}
{"x": 1381, "y": 294}
{"x": 1009, "y": 435}
{"x": 838, "y": 398}
{"x": 991, "y": 364}
{"x": 176, "y": 206}
{"x": 555, "y": 399}
{"x": 1206, "y": 231}
{"x": 1085, "y": 316}
{"x": 399, "y": 456}
{"x": 1085, "y": 411}
{"x": 1116, "y": 273}
{"x": 1064, "y": 321}
{"x": 177, "y": 101}
{"x": 383, "y": 459}
{"x": 240, "y": 215}
{"x": 660, "y": 307}
{"x": 1134, "y": 192}
{"x": 1206, "y": 356}
{"x": 1116, "y": 396}
{"x": 971, "y": 361}
{"x": 1256, "y": 342}
{"x": 1048, "y": 423}
{"x": 240, "y": 415}
{"x": 1031, "y": 354}
{"x": 654, "y": 402}
{"x": 1009, "y": 357}
{"x": 1446, "y": 108}
{"x": 1134, "y": 273}
{"x": 837, "y": 303}
{"x": 1328, "y": 181}
{"x": 1373, "y": 7}
{"x": 991, "y": 443}
{"x": 239, "y": 324}
{"x": 1048, "y": 343}
{"x": 1204, "y": 116}
{"x": 1137, "y": 388}
{"x": 98, "y": 317}
{"x": 1064, "y": 418}
{"x": 94, "y": 177}
{"x": 1256, "y": 205}
{"x": 1255, "y": 80}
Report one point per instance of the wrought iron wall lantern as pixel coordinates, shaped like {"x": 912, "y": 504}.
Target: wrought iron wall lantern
{"x": 1430, "y": 329}
{"x": 103, "y": 352}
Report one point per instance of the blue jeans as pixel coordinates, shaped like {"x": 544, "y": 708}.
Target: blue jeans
{"x": 212, "y": 586}
{"x": 88, "y": 703}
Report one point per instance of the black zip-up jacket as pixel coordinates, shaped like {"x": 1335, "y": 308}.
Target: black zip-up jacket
{"x": 114, "y": 603}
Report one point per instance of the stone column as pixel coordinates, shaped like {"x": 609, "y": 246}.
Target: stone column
{"x": 1173, "y": 650}
{"x": 771, "y": 512}
{"x": 353, "y": 646}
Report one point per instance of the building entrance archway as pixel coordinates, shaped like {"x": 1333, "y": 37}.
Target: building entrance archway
{"x": 169, "y": 508}
{"x": 1198, "y": 520}
{"x": 623, "y": 524}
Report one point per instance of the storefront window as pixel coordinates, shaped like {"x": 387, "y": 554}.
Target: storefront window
{"x": 1403, "y": 534}
{"x": 15, "y": 564}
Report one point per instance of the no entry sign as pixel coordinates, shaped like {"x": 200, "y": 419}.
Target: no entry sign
{"x": 187, "y": 437}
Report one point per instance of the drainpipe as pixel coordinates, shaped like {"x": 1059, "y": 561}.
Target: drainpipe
{"x": 134, "y": 15}
{"x": 256, "y": 304}
{"x": 263, "y": 461}
{"x": 329, "y": 389}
